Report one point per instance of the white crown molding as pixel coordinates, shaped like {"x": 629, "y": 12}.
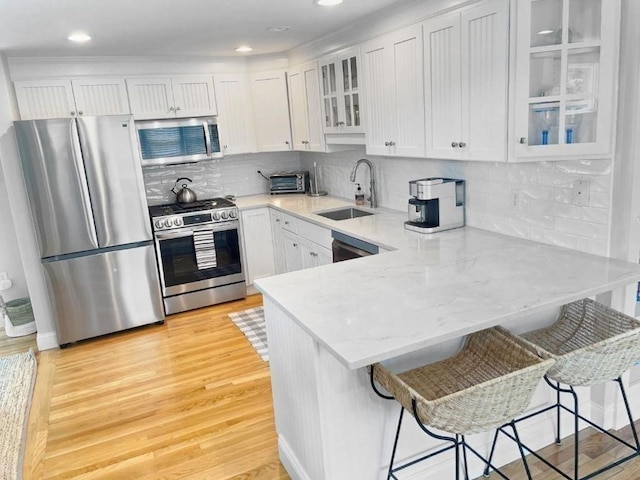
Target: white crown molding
{"x": 22, "y": 68}
{"x": 383, "y": 21}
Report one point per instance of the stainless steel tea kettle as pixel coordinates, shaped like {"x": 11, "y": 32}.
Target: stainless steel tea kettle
{"x": 184, "y": 195}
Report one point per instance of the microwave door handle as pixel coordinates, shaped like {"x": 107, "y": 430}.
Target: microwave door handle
{"x": 207, "y": 138}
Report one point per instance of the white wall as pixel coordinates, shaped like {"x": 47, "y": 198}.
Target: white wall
{"x": 22, "y": 226}
{"x": 546, "y": 211}
{"x": 9, "y": 253}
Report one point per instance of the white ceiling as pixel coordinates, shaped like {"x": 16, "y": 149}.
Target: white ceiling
{"x": 168, "y": 27}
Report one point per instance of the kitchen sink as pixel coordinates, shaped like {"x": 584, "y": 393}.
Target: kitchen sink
{"x": 344, "y": 214}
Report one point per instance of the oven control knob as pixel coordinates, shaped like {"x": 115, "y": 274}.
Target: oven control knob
{"x": 167, "y": 223}
{"x": 233, "y": 214}
{"x": 159, "y": 224}
{"x": 216, "y": 216}
{"x": 224, "y": 215}
{"x": 177, "y": 222}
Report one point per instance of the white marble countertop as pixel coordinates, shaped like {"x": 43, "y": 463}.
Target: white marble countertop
{"x": 431, "y": 289}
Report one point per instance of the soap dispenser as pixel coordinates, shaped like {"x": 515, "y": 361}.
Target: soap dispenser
{"x": 359, "y": 195}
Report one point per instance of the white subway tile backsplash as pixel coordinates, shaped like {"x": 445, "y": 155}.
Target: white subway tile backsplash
{"x": 580, "y": 228}
{"x": 233, "y": 175}
{"x": 547, "y": 210}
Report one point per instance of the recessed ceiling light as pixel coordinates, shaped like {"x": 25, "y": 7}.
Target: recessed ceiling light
{"x": 279, "y": 28}
{"x": 545, "y": 32}
{"x": 327, "y": 2}
{"x": 79, "y": 37}
{"x": 244, "y": 49}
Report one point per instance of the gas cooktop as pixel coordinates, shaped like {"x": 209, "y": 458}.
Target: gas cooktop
{"x": 179, "y": 208}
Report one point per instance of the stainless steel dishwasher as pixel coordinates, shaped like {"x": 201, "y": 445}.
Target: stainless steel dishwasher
{"x": 345, "y": 247}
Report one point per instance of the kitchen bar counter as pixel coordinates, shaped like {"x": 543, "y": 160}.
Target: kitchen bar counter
{"x": 432, "y": 289}
{"x": 405, "y": 307}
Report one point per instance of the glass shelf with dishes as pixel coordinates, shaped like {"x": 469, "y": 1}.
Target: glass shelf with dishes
{"x": 564, "y": 85}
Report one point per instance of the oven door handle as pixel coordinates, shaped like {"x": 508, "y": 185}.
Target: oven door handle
{"x": 170, "y": 235}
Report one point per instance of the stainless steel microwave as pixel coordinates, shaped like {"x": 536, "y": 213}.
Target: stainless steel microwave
{"x": 289, "y": 182}
{"x": 174, "y": 141}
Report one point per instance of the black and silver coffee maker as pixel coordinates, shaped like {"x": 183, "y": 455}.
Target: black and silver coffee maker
{"x": 437, "y": 204}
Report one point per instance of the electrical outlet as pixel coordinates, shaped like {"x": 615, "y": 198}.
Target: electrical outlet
{"x": 515, "y": 199}
{"x": 3, "y": 276}
{"x": 581, "y": 192}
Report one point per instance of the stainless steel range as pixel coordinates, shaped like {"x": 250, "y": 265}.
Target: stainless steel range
{"x": 198, "y": 250}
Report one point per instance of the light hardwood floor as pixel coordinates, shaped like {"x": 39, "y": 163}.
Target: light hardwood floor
{"x": 186, "y": 400}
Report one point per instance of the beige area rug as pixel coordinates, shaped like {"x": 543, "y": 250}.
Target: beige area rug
{"x": 17, "y": 378}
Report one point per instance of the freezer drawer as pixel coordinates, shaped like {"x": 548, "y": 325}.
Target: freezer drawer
{"x": 104, "y": 293}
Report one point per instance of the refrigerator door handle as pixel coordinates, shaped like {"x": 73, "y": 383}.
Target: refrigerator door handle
{"x": 82, "y": 180}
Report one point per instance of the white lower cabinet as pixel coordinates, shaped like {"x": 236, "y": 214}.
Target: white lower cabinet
{"x": 276, "y": 242}
{"x": 258, "y": 252}
{"x": 292, "y": 251}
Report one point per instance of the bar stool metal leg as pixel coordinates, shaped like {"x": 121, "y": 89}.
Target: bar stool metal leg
{"x": 395, "y": 445}
{"x": 626, "y": 406}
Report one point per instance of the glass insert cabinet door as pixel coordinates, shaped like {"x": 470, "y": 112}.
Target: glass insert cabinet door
{"x": 565, "y": 74}
{"x": 340, "y": 86}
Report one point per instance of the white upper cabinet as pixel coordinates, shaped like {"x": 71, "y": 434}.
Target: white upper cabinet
{"x": 305, "y": 110}
{"x": 100, "y": 96}
{"x": 393, "y": 92}
{"x": 565, "y": 77}
{"x": 60, "y": 98}
{"x": 340, "y": 92}
{"x": 235, "y": 118}
{"x": 466, "y": 68}
{"x": 171, "y": 97}
{"x": 271, "y": 111}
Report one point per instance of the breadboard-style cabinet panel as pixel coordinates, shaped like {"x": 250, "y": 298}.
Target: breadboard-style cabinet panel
{"x": 235, "y": 117}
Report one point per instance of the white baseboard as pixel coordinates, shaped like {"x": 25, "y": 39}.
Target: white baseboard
{"x": 290, "y": 461}
{"x": 46, "y": 341}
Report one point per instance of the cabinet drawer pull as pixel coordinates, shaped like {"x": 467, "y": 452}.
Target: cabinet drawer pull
{"x": 523, "y": 140}
{"x": 454, "y": 144}
{"x": 462, "y": 144}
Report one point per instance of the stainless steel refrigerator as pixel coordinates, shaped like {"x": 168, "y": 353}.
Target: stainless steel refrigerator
{"x": 86, "y": 194}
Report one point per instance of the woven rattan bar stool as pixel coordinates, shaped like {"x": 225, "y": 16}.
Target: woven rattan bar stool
{"x": 590, "y": 343}
{"x": 486, "y": 385}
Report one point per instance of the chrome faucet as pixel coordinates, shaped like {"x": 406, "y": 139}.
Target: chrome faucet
{"x": 372, "y": 180}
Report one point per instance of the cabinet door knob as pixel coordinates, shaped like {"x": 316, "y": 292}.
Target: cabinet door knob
{"x": 454, "y": 144}
{"x": 224, "y": 146}
{"x": 392, "y": 144}
{"x": 277, "y": 220}
{"x": 295, "y": 244}
{"x": 386, "y": 144}
{"x": 171, "y": 109}
{"x": 340, "y": 124}
{"x": 462, "y": 144}
{"x": 80, "y": 112}
{"x": 286, "y": 223}
{"x": 73, "y": 114}
{"x": 523, "y": 140}
{"x": 178, "y": 108}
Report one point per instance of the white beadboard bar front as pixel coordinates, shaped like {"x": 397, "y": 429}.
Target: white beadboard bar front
{"x": 405, "y": 307}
